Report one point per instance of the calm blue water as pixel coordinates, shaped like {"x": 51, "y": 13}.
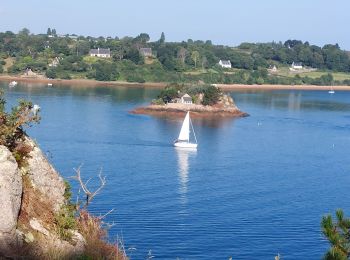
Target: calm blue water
{"x": 257, "y": 186}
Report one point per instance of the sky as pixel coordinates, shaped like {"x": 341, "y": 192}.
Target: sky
{"x": 228, "y": 22}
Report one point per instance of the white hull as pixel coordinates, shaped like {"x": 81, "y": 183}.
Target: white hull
{"x": 12, "y": 84}
{"x": 331, "y": 92}
{"x": 185, "y": 145}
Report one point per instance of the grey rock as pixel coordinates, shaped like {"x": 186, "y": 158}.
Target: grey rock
{"x": 36, "y": 225}
{"x": 44, "y": 177}
{"x": 10, "y": 198}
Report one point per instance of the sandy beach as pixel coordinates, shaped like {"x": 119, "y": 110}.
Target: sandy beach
{"x": 224, "y": 87}
{"x": 82, "y": 82}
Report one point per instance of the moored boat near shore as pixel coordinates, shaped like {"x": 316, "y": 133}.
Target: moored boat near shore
{"x": 12, "y": 84}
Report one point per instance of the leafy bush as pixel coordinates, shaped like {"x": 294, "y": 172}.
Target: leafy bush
{"x": 105, "y": 71}
{"x": 158, "y": 101}
{"x": 211, "y": 95}
{"x": 135, "y": 78}
{"x": 12, "y": 124}
{"x": 170, "y": 92}
{"x": 51, "y": 73}
{"x": 65, "y": 222}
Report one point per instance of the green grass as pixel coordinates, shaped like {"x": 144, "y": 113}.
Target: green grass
{"x": 195, "y": 72}
{"x": 336, "y": 75}
{"x": 91, "y": 60}
{"x": 285, "y": 72}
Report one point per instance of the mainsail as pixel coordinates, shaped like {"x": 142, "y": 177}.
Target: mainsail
{"x": 185, "y": 129}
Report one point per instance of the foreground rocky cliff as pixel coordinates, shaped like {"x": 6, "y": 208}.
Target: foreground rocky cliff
{"x": 37, "y": 217}
{"x": 32, "y": 195}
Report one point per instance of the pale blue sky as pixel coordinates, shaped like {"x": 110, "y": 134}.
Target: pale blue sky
{"x": 227, "y": 22}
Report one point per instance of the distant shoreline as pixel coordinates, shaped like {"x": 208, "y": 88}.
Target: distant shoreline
{"x": 229, "y": 87}
{"x": 82, "y": 82}
{"x": 224, "y": 87}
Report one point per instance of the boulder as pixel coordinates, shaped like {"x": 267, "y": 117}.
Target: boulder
{"x": 44, "y": 177}
{"x": 10, "y": 198}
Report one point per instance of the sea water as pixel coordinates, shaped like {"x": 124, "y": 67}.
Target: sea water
{"x": 256, "y": 187}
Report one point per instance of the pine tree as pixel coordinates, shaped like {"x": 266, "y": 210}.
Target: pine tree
{"x": 162, "y": 38}
{"x": 338, "y": 235}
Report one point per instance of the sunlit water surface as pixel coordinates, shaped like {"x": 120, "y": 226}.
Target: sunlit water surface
{"x": 257, "y": 186}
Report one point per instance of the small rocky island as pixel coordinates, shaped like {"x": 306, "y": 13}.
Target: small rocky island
{"x": 201, "y": 100}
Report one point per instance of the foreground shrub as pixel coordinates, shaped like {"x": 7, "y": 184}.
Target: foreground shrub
{"x": 338, "y": 235}
{"x": 96, "y": 247}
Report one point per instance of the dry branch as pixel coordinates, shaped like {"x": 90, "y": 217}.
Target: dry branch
{"x": 89, "y": 194}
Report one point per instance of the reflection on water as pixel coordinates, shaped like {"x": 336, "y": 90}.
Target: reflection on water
{"x": 183, "y": 170}
{"x": 114, "y": 93}
{"x": 212, "y": 122}
{"x": 293, "y": 100}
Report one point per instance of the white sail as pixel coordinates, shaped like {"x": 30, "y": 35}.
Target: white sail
{"x": 185, "y": 129}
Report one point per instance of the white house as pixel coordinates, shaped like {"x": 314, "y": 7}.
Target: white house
{"x": 146, "y": 52}
{"x": 100, "y": 52}
{"x": 272, "y": 69}
{"x": 225, "y": 63}
{"x": 297, "y": 65}
{"x": 186, "y": 99}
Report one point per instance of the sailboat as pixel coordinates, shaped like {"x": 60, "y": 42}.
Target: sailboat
{"x": 184, "y": 137}
{"x": 331, "y": 91}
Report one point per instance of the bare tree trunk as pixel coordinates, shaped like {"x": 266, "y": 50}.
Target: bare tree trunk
{"x": 89, "y": 194}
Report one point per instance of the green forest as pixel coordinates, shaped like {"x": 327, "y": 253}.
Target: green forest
{"x": 67, "y": 57}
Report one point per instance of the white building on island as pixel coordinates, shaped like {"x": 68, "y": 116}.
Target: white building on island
{"x": 186, "y": 99}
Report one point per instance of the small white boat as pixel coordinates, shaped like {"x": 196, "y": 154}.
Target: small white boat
{"x": 331, "y": 91}
{"x": 49, "y": 84}
{"x": 184, "y": 137}
{"x": 12, "y": 84}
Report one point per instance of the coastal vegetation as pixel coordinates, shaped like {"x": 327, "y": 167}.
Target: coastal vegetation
{"x": 200, "y": 94}
{"x": 67, "y": 57}
{"x": 338, "y": 235}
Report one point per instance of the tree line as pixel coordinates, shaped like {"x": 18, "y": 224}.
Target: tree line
{"x": 186, "y": 61}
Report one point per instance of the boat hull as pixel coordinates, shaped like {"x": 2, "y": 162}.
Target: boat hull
{"x": 185, "y": 145}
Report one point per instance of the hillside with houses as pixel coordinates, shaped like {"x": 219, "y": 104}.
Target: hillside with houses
{"x": 138, "y": 59}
